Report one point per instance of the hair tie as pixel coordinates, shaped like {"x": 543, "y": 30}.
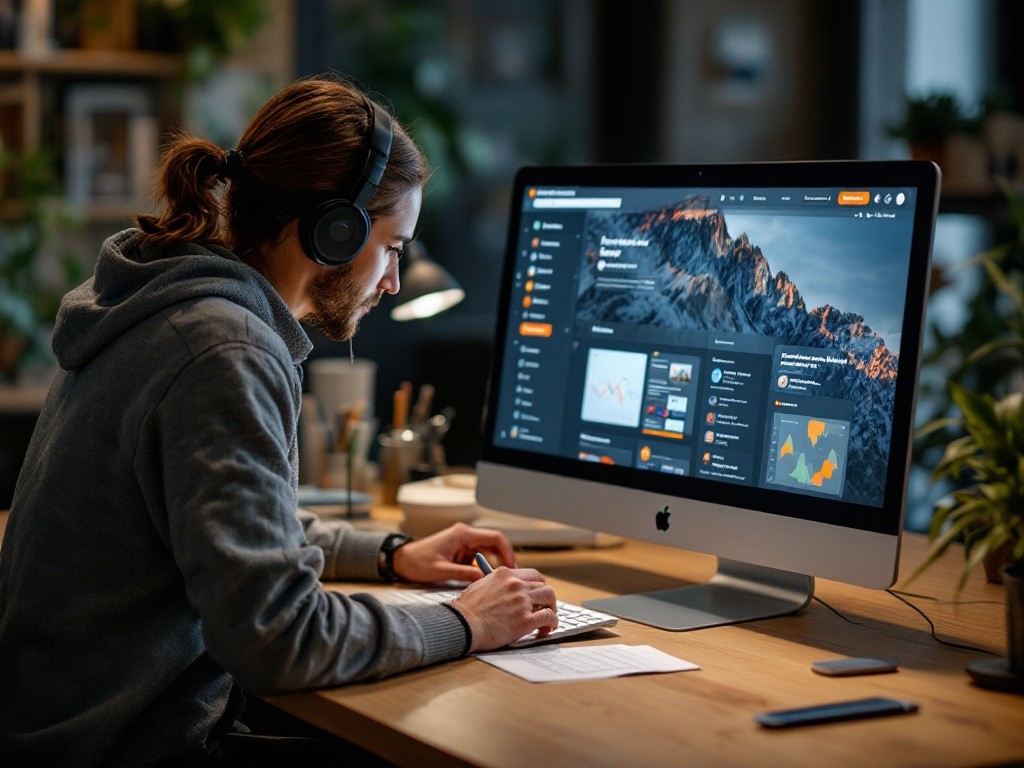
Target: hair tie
{"x": 232, "y": 164}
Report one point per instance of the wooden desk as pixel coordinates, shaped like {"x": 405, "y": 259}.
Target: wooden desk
{"x": 469, "y": 713}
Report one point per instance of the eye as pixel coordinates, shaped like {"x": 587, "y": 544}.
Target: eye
{"x": 396, "y": 252}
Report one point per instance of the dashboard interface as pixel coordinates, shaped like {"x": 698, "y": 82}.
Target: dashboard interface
{"x": 741, "y": 337}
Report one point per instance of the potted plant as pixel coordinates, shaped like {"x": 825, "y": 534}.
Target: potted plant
{"x": 986, "y": 459}
{"x": 929, "y": 122}
{"x": 29, "y": 214}
{"x": 987, "y": 515}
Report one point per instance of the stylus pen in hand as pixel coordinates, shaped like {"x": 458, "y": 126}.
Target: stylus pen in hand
{"x": 482, "y": 564}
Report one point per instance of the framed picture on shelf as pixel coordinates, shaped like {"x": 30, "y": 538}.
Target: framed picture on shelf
{"x": 111, "y": 139}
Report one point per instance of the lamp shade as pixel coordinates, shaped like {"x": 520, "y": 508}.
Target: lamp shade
{"x": 427, "y": 287}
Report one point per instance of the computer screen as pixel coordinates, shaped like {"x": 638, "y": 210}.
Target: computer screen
{"x": 720, "y": 358}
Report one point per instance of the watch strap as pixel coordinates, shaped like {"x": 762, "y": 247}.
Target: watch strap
{"x": 386, "y": 555}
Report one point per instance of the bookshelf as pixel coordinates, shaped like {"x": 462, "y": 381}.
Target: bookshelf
{"x": 90, "y": 106}
{"x": 36, "y": 88}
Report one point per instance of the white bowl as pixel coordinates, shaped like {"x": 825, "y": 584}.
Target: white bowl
{"x": 433, "y": 504}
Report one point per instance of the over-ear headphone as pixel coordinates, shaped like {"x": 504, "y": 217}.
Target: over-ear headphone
{"x": 334, "y": 232}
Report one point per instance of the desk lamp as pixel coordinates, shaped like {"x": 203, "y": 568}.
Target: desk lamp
{"x": 427, "y": 287}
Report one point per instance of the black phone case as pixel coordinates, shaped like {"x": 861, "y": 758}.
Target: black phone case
{"x": 830, "y": 713}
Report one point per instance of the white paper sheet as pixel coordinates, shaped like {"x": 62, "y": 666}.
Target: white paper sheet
{"x": 553, "y": 663}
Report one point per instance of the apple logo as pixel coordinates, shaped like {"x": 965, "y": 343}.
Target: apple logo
{"x": 661, "y": 519}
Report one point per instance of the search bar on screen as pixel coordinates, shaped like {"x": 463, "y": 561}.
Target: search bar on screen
{"x": 577, "y": 202}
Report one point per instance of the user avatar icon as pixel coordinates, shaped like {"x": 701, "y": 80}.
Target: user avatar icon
{"x": 713, "y": 400}
{"x": 709, "y": 436}
{"x": 645, "y": 453}
{"x": 707, "y": 457}
{"x": 783, "y": 381}
{"x": 716, "y": 375}
{"x": 710, "y": 418}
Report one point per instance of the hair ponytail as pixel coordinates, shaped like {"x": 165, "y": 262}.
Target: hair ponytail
{"x": 186, "y": 186}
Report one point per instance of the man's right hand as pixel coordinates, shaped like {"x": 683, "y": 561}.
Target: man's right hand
{"x": 506, "y": 605}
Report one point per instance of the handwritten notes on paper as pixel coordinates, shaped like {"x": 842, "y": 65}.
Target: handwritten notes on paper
{"x": 554, "y": 663}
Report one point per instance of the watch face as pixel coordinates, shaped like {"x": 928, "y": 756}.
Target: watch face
{"x": 394, "y": 541}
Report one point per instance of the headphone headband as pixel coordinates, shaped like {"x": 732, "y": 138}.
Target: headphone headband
{"x": 378, "y": 150}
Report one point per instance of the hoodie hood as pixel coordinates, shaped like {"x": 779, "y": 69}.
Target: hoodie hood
{"x": 131, "y": 283}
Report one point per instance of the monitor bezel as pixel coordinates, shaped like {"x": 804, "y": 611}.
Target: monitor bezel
{"x": 887, "y": 519}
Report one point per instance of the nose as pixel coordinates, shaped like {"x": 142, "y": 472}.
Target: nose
{"x": 390, "y": 282}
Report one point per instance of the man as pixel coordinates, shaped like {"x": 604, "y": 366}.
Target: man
{"x": 154, "y": 560}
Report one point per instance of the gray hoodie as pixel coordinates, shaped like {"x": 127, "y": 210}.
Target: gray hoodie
{"x": 154, "y": 554}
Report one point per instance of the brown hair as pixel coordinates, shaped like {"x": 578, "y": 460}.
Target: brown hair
{"x": 305, "y": 145}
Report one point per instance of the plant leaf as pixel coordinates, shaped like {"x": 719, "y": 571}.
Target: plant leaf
{"x": 936, "y": 424}
{"x": 990, "y": 347}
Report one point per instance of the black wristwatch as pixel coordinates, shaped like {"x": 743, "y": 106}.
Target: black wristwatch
{"x": 386, "y": 556}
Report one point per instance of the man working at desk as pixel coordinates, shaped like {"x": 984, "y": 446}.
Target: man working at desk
{"x": 154, "y": 559}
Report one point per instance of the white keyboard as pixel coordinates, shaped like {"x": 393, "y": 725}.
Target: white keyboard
{"x": 572, "y": 619}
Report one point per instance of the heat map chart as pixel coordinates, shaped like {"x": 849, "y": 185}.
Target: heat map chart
{"x": 809, "y": 453}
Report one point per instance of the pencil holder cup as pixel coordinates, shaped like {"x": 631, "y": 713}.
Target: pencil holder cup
{"x": 400, "y": 451}
{"x": 338, "y": 464}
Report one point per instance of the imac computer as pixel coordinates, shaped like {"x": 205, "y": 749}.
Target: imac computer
{"x": 718, "y": 358}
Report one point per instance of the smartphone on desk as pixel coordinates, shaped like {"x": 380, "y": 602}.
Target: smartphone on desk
{"x": 854, "y": 666}
{"x": 877, "y": 706}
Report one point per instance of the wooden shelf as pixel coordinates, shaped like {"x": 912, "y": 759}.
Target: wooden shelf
{"x": 87, "y": 63}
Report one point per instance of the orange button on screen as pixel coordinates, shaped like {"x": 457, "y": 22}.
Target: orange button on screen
{"x": 854, "y": 198}
{"x": 534, "y": 329}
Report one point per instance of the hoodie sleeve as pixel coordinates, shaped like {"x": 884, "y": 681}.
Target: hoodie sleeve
{"x": 223, "y": 431}
{"x": 348, "y": 553}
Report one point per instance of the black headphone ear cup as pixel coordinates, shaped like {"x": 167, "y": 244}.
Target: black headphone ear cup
{"x": 334, "y": 232}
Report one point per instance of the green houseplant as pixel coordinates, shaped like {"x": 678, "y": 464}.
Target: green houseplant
{"x": 929, "y": 122}
{"x": 986, "y": 458}
{"x": 29, "y": 293}
{"x": 988, "y": 514}
{"x": 986, "y": 450}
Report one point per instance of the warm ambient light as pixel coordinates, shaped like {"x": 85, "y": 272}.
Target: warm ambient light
{"x": 429, "y": 305}
{"x": 427, "y": 287}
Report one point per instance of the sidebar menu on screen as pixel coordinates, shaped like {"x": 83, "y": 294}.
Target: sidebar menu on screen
{"x": 540, "y": 329}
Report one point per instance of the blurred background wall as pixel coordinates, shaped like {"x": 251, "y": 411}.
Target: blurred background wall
{"x": 487, "y": 86}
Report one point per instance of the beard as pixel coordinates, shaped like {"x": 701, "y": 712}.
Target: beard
{"x": 337, "y": 304}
